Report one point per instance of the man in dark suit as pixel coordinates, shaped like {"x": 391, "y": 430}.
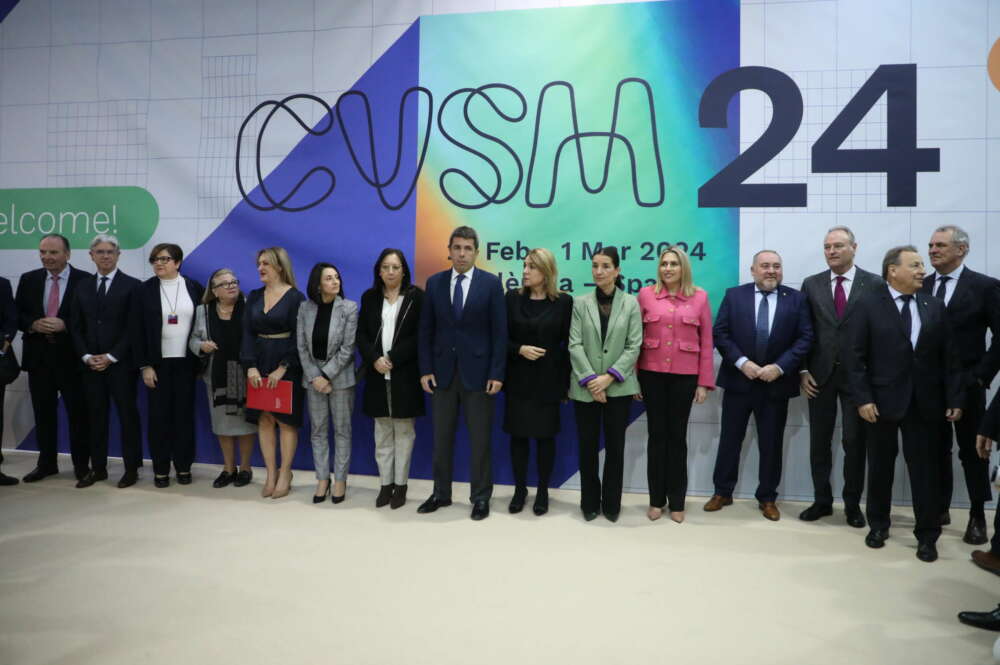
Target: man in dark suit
{"x": 43, "y": 306}
{"x": 904, "y": 376}
{"x": 462, "y": 355}
{"x": 973, "y": 303}
{"x": 989, "y": 431}
{"x": 8, "y": 329}
{"x": 832, "y": 296}
{"x": 102, "y": 324}
{"x": 763, "y": 333}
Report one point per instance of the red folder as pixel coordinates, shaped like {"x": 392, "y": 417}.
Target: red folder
{"x": 275, "y": 400}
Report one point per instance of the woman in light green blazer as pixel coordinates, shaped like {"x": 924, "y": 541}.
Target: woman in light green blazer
{"x": 604, "y": 342}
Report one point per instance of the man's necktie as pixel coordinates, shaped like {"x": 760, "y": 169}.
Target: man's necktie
{"x": 102, "y": 290}
{"x": 942, "y": 286}
{"x": 840, "y": 297}
{"x": 763, "y": 330}
{"x": 907, "y": 317}
{"x": 457, "y": 300}
{"x": 52, "y": 307}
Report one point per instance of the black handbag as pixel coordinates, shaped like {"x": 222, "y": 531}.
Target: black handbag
{"x": 9, "y": 369}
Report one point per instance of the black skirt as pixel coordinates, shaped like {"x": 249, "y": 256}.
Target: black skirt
{"x": 530, "y": 418}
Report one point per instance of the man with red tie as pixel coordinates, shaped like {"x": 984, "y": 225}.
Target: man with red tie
{"x": 832, "y": 296}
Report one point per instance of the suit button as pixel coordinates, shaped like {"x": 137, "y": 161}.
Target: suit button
{"x": 668, "y": 359}
{"x": 669, "y": 343}
{"x": 670, "y": 325}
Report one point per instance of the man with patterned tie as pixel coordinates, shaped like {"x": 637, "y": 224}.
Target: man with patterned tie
{"x": 973, "y": 303}
{"x": 462, "y": 350}
{"x": 905, "y": 377}
{"x": 763, "y": 333}
{"x": 832, "y": 296}
{"x": 43, "y": 305}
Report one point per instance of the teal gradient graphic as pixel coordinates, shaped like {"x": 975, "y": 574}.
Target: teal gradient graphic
{"x": 676, "y": 48}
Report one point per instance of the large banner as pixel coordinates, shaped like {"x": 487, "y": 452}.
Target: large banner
{"x": 340, "y": 129}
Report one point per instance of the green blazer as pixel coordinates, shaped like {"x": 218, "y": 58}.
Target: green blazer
{"x": 620, "y": 350}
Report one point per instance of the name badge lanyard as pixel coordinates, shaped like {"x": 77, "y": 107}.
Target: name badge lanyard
{"x": 172, "y": 317}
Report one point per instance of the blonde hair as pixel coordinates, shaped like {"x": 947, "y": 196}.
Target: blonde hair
{"x": 209, "y": 295}
{"x": 277, "y": 256}
{"x": 687, "y": 287}
{"x": 545, "y": 263}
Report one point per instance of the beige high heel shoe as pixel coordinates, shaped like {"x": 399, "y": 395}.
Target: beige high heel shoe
{"x": 282, "y": 490}
{"x": 268, "y": 488}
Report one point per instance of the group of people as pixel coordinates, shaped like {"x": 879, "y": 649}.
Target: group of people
{"x": 902, "y": 353}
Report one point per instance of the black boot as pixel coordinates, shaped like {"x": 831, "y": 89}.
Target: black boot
{"x": 517, "y": 502}
{"x": 384, "y": 495}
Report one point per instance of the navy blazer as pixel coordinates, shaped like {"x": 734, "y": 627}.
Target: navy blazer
{"x": 8, "y": 312}
{"x": 38, "y": 349}
{"x": 476, "y": 343}
{"x": 735, "y": 331}
{"x": 110, "y": 328}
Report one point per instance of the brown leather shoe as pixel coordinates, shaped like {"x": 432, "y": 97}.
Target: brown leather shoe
{"x": 987, "y": 561}
{"x": 717, "y": 502}
{"x": 770, "y": 511}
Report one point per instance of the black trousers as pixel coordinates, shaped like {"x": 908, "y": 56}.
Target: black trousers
{"x": 975, "y": 468}
{"x": 520, "y": 448}
{"x": 918, "y": 442}
{"x": 770, "y": 415}
{"x": 171, "y": 416}
{"x": 116, "y": 383}
{"x": 601, "y": 492}
{"x": 668, "y": 400}
{"x": 3, "y": 389}
{"x": 822, "y": 421}
{"x": 45, "y": 384}
{"x": 478, "y": 408}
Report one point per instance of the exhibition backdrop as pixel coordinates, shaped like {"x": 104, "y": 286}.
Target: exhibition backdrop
{"x": 337, "y": 129}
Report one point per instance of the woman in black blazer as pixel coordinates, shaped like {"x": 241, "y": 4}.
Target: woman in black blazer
{"x": 387, "y": 341}
{"x": 167, "y": 302}
{"x": 538, "y": 321}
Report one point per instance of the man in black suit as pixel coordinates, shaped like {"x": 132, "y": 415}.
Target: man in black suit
{"x": 8, "y": 329}
{"x": 43, "y": 302}
{"x": 973, "y": 303}
{"x": 904, "y": 375}
{"x": 462, "y": 352}
{"x": 833, "y": 295}
{"x": 102, "y": 325}
{"x": 989, "y": 431}
{"x": 763, "y": 334}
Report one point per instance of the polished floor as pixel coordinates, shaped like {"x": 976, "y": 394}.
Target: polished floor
{"x": 195, "y": 575}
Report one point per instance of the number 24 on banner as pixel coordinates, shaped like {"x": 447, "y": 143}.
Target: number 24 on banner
{"x": 900, "y": 159}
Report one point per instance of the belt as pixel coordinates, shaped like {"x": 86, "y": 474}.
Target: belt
{"x": 281, "y": 335}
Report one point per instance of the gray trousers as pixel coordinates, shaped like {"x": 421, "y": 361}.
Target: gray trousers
{"x": 393, "y": 445}
{"x": 478, "y": 408}
{"x": 341, "y": 403}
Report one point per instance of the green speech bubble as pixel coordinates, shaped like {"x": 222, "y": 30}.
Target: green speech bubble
{"x": 79, "y": 213}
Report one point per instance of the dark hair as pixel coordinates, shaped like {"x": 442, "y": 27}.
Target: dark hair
{"x": 466, "y": 232}
{"x": 175, "y": 252}
{"x": 892, "y": 258}
{"x": 378, "y": 285}
{"x": 315, "y": 276}
{"x": 64, "y": 239}
{"x": 612, "y": 253}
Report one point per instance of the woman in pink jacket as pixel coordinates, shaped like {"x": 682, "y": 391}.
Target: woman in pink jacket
{"x": 675, "y": 369}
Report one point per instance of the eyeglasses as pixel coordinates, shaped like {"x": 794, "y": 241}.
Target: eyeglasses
{"x": 161, "y": 259}
{"x": 104, "y": 252}
{"x": 227, "y": 285}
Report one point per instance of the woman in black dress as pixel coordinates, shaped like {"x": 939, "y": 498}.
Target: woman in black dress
{"x": 538, "y": 321}
{"x": 269, "y": 355}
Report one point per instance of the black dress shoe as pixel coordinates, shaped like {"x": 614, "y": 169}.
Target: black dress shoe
{"x": 517, "y": 502}
{"x": 384, "y": 495}
{"x": 815, "y": 511}
{"x": 6, "y": 481}
{"x": 612, "y": 515}
{"x": 854, "y": 517}
{"x": 224, "y": 479}
{"x": 876, "y": 538}
{"x": 541, "y": 501}
{"x": 398, "y": 497}
{"x": 985, "y": 620}
{"x": 945, "y": 518}
{"x": 243, "y": 478}
{"x": 975, "y": 532}
{"x": 91, "y": 478}
{"x": 161, "y": 481}
{"x": 432, "y": 504}
{"x": 590, "y": 515}
{"x": 81, "y": 473}
{"x": 128, "y": 479}
{"x": 38, "y": 473}
{"x": 183, "y": 477}
{"x": 927, "y": 552}
{"x": 480, "y": 510}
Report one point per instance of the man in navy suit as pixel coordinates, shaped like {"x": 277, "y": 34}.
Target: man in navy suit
{"x": 102, "y": 323}
{"x": 763, "y": 332}
{"x": 43, "y": 303}
{"x": 905, "y": 377}
{"x": 462, "y": 354}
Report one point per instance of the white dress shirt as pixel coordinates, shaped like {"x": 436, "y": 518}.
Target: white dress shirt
{"x": 848, "y": 281}
{"x": 465, "y": 285}
{"x": 63, "y": 283}
{"x": 914, "y": 314}
{"x": 772, "y": 307}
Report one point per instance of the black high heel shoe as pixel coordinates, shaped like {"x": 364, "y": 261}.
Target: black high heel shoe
{"x": 517, "y": 501}
{"x": 322, "y": 497}
{"x": 541, "y": 501}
